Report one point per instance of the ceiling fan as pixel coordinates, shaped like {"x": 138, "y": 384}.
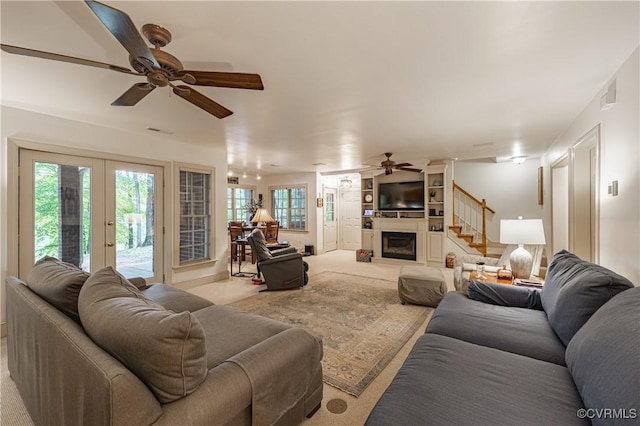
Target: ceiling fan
{"x": 159, "y": 67}
{"x": 389, "y": 165}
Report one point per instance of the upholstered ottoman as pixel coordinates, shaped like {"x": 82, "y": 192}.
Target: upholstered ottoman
{"x": 421, "y": 285}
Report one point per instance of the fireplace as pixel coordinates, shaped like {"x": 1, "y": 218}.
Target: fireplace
{"x": 399, "y": 245}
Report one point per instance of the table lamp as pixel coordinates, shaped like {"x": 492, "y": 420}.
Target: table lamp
{"x": 521, "y": 231}
{"x": 261, "y": 216}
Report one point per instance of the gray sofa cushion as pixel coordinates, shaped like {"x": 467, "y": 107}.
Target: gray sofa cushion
{"x": 446, "y": 381}
{"x": 505, "y": 295}
{"x": 518, "y": 330}
{"x": 604, "y": 358}
{"x": 175, "y": 299}
{"x": 166, "y": 350}
{"x": 574, "y": 289}
{"x": 58, "y": 283}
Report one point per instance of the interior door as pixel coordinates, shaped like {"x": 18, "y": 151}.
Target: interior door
{"x": 90, "y": 212}
{"x": 330, "y": 220}
{"x": 560, "y": 205}
{"x": 350, "y": 218}
{"x": 583, "y": 213}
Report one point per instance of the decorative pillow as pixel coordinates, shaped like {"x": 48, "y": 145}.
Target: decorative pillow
{"x": 574, "y": 289}
{"x": 603, "y": 356}
{"x": 58, "y": 283}
{"x": 164, "y": 349}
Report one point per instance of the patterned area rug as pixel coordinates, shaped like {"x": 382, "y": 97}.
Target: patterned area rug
{"x": 360, "y": 320}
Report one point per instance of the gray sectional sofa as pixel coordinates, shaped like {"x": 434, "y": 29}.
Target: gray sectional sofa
{"x": 100, "y": 350}
{"x": 507, "y": 355}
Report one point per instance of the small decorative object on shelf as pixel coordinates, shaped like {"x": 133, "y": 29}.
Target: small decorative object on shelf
{"x": 504, "y": 273}
{"x": 480, "y": 270}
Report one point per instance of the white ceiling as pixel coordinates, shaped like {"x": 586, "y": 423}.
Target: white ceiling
{"x": 344, "y": 81}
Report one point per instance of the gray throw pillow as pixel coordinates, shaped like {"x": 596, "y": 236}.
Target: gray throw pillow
{"x": 604, "y": 359}
{"x": 166, "y": 350}
{"x": 574, "y": 289}
{"x": 58, "y": 283}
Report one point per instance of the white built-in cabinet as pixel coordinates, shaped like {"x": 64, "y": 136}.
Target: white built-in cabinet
{"x": 436, "y": 213}
{"x": 433, "y": 219}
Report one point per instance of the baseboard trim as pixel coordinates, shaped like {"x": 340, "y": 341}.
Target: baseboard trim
{"x": 185, "y": 285}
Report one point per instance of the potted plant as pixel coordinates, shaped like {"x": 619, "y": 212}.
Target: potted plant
{"x": 252, "y": 207}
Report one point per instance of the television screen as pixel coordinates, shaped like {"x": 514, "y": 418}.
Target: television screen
{"x": 401, "y": 196}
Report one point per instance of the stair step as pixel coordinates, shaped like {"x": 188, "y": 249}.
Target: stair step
{"x": 456, "y": 228}
{"x": 476, "y": 245}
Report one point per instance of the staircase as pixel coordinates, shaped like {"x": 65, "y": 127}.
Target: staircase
{"x": 470, "y": 225}
{"x": 470, "y": 219}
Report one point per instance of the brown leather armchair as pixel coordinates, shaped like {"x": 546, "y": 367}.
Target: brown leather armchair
{"x": 282, "y": 269}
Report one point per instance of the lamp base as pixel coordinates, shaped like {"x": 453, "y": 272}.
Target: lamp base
{"x": 521, "y": 262}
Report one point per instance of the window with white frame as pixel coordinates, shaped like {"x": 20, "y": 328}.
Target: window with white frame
{"x": 194, "y": 214}
{"x": 237, "y": 200}
{"x": 290, "y": 207}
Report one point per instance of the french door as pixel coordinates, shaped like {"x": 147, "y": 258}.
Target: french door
{"x": 91, "y": 213}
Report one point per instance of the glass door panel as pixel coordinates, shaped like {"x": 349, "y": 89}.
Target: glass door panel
{"x": 132, "y": 218}
{"x": 57, "y": 209}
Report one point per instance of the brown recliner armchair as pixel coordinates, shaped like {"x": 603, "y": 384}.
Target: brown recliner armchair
{"x": 282, "y": 269}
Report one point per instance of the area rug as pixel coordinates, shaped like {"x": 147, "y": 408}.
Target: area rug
{"x": 359, "y": 319}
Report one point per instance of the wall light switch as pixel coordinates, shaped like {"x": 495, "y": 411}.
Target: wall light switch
{"x": 614, "y": 188}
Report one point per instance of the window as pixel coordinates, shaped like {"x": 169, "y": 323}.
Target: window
{"x": 237, "y": 199}
{"x": 289, "y": 207}
{"x": 194, "y": 215}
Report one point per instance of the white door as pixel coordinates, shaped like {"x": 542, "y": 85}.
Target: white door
{"x": 91, "y": 213}
{"x": 330, "y": 225}
{"x": 583, "y": 194}
{"x": 350, "y": 218}
{"x": 560, "y": 206}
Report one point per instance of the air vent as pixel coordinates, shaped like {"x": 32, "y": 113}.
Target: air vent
{"x": 154, "y": 129}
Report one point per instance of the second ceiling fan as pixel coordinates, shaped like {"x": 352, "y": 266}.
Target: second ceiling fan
{"x": 159, "y": 67}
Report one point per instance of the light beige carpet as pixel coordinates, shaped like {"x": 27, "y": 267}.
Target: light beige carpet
{"x": 360, "y": 320}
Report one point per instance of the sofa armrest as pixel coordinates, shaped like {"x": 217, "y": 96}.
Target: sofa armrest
{"x": 287, "y": 257}
{"x": 139, "y": 282}
{"x": 505, "y": 295}
{"x": 281, "y": 251}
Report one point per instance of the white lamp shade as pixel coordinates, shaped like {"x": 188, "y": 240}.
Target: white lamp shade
{"x": 262, "y": 215}
{"x": 522, "y": 231}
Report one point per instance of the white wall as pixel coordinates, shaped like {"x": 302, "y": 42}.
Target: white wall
{"x": 510, "y": 189}
{"x": 19, "y": 124}
{"x": 619, "y": 224}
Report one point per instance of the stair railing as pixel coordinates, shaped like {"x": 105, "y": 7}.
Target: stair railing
{"x": 470, "y": 214}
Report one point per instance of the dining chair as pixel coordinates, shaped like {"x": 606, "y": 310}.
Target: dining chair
{"x": 271, "y": 232}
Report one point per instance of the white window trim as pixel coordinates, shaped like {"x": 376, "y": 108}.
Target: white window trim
{"x": 252, "y": 188}
{"x": 306, "y": 204}
{"x": 195, "y": 168}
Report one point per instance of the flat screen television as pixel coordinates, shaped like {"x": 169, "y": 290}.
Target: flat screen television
{"x": 401, "y": 196}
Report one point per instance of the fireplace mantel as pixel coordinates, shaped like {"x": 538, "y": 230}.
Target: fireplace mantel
{"x": 417, "y": 225}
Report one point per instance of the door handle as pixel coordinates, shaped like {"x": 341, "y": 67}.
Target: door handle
{"x": 110, "y": 223}
{"x": 109, "y": 244}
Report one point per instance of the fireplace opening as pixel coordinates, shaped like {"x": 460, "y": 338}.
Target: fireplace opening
{"x": 399, "y": 245}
